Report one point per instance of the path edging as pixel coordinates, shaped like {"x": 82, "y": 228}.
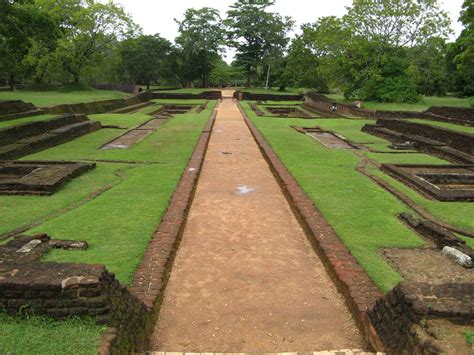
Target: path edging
{"x": 359, "y": 291}
{"x": 152, "y": 275}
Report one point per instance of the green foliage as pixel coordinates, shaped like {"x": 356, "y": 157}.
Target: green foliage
{"x": 469, "y": 336}
{"x": 200, "y": 41}
{"x": 380, "y": 50}
{"x": 256, "y": 34}
{"x": 471, "y": 102}
{"x": 144, "y": 59}
{"x": 21, "y": 25}
{"x": 89, "y": 30}
{"x": 462, "y": 53}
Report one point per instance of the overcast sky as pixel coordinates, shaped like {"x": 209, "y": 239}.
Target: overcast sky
{"x": 156, "y": 16}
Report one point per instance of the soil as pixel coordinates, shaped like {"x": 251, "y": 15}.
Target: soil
{"x": 245, "y": 278}
{"x": 427, "y": 265}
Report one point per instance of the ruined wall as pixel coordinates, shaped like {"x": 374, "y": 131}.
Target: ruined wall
{"x": 266, "y": 97}
{"x": 205, "y": 95}
{"x": 463, "y": 142}
{"x": 128, "y": 88}
{"x": 457, "y": 113}
{"x": 322, "y": 103}
{"x": 96, "y": 107}
{"x": 15, "y": 106}
{"x": 400, "y": 317}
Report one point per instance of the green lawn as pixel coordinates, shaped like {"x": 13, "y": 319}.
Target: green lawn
{"x": 363, "y": 214}
{"x": 427, "y": 102}
{"x": 52, "y": 98}
{"x": 45, "y": 336}
{"x": 115, "y": 208}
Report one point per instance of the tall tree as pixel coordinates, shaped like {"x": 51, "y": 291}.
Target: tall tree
{"x": 201, "y": 40}
{"x": 89, "y": 29}
{"x": 256, "y": 33}
{"x": 21, "y": 24}
{"x": 144, "y": 59}
{"x": 462, "y": 52}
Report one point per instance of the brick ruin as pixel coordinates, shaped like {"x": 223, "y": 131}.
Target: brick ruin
{"x": 57, "y": 290}
{"x": 28, "y": 138}
{"x": 38, "y": 177}
{"x": 448, "y": 144}
{"x": 441, "y": 182}
{"x": 239, "y": 95}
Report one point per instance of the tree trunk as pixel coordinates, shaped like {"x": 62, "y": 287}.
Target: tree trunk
{"x": 148, "y": 85}
{"x": 11, "y": 82}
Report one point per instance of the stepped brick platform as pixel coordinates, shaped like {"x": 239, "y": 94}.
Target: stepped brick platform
{"x": 27, "y": 138}
{"x": 13, "y": 109}
{"x": 404, "y": 318}
{"x": 38, "y": 177}
{"x": 447, "y": 144}
{"x": 442, "y": 182}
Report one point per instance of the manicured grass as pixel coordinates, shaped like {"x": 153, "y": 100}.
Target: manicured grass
{"x": 117, "y": 224}
{"x": 51, "y": 98}
{"x": 456, "y": 213}
{"x": 363, "y": 214}
{"x": 9, "y": 123}
{"x": 21, "y": 211}
{"x": 45, "y": 336}
{"x": 427, "y": 102}
{"x": 455, "y": 127}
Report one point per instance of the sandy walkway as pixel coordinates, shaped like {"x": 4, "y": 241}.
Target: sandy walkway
{"x": 245, "y": 278}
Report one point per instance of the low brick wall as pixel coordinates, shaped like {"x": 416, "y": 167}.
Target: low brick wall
{"x": 266, "y": 97}
{"x": 324, "y": 104}
{"x": 398, "y": 318}
{"x": 456, "y": 113}
{"x": 403, "y": 114}
{"x": 14, "y": 133}
{"x": 463, "y": 142}
{"x": 15, "y": 106}
{"x": 128, "y": 88}
{"x": 205, "y": 95}
{"x": 96, "y": 107}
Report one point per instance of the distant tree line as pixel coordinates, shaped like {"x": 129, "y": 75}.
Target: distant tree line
{"x": 386, "y": 50}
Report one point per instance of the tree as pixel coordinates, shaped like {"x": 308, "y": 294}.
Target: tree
{"x": 428, "y": 67}
{"x": 461, "y": 53}
{"x": 366, "y": 53}
{"x": 89, "y": 29}
{"x": 143, "y": 58}
{"x": 221, "y": 74}
{"x": 256, "y": 34}
{"x": 21, "y": 24}
{"x": 302, "y": 68}
{"x": 201, "y": 40}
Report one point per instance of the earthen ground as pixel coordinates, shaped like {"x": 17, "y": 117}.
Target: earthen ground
{"x": 245, "y": 278}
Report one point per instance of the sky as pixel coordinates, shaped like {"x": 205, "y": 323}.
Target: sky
{"x": 156, "y": 16}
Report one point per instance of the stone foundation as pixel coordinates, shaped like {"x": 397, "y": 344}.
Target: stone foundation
{"x": 266, "y": 97}
{"x": 399, "y": 319}
{"x": 38, "y": 177}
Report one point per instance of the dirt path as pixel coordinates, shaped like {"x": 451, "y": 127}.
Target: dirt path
{"x": 245, "y": 278}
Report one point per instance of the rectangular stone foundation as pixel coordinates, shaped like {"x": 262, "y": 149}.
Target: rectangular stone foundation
{"x": 38, "y": 177}
{"x": 442, "y": 182}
